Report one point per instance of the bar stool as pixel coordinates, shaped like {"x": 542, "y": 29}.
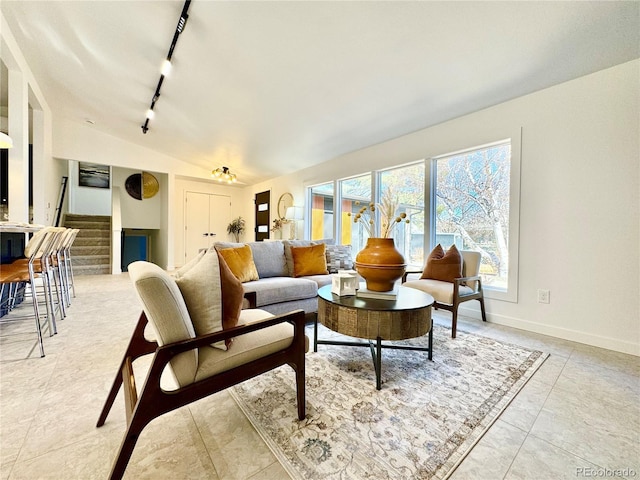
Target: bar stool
{"x": 23, "y": 273}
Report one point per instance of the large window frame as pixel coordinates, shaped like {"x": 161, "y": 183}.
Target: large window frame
{"x": 510, "y": 293}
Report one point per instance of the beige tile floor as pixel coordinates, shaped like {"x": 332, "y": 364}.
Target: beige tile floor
{"x": 579, "y": 416}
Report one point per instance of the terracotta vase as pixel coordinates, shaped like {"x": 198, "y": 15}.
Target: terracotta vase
{"x": 380, "y": 264}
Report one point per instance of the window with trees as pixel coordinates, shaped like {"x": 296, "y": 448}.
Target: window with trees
{"x": 471, "y": 207}
{"x": 469, "y": 198}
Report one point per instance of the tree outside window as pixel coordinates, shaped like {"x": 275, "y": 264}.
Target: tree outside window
{"x": 472, "y": 207}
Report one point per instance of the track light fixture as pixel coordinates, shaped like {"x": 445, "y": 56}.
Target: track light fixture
{"x": 223, "y": 174}
{"x": 166, "y": 65}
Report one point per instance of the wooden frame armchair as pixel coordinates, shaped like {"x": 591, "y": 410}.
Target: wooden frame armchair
{"x": 448, "y": 296}
{"x": 261, "y": 343}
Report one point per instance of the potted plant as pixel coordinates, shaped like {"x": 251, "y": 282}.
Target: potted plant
{"x": 236, "y": 228}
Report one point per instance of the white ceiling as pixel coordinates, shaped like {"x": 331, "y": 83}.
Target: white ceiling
{"x": 267, "y": 88}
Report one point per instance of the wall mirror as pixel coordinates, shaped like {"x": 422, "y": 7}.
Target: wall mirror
{"x": 285, "y": 201}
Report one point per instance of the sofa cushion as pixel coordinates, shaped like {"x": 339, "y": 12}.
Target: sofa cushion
{"x": 445, "y": 267}
{"x": 201, "y": 289}
{"x": 281, "y": 289}
{"x": 320, "y": 280}
{"x": 338, "y": 258}
{"x": 269, "y": 259}
{"x": 240, "y": 261}
{"x": 441, "y": 291}
{"x": 246, "y": 347}
{"x": 309, "y": 260}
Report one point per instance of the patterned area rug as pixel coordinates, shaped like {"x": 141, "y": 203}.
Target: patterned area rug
{"x": 422, "y": 423}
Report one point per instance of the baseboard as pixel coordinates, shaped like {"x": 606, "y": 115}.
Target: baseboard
{"x": 558, "y": 332}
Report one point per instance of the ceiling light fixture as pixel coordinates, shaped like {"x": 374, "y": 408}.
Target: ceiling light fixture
{"x": 223, "y": 174}
{"x": 5, "y": 141}
{"x": 166, "y": 65}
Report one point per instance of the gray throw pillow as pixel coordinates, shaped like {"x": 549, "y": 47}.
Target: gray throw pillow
{"x": 338, "y": 258}
{"x": 269, "y": 259}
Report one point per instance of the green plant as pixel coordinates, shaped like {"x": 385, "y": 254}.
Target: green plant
{"x": 236, "y": 228}
{"x": 278, "y": 223}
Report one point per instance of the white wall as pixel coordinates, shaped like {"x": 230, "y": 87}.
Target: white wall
{"x": 145, "y": 213}
{"x": 580, "y": 202}
{"x": 87, "y": 200}
{"x": 46, "y": 186}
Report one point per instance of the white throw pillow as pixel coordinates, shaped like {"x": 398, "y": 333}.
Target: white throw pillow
{"x": 199, "y": 283}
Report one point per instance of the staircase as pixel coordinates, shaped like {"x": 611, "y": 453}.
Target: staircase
{"x": 91, "y": 251}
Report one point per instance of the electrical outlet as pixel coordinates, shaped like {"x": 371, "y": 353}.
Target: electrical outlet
{"x": 543, "y": 296}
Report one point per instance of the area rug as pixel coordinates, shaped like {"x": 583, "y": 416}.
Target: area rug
{"x": 426, "y": 418}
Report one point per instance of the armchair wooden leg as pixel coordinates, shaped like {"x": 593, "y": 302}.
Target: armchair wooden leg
{"x": 125, "y": 452}
{"x": 454, "y": 321}
{"x": 300, "y": 389}
{"x": 484, "y": 314}
{"x": 138, "y": 346}
{"x": 143, "y": 413}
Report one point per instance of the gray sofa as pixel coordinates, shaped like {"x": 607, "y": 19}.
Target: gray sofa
{"x": 277, "y": 290}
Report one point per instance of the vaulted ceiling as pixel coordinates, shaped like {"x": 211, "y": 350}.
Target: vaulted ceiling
{"x": 267, "y": 88}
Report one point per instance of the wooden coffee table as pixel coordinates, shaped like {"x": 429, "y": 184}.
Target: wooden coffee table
{"x": 408, "y": 316}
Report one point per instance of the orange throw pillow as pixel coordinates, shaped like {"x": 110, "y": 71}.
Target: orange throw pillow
{"x": 444, "y": 267}
{"x": 240, "y": 261}
{"x": 232, "y": 296}
{"x": 309, "y": 260}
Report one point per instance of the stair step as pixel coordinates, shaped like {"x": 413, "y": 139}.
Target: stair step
{"x": 86, "y": 218}
{"x": 89, "y": 241}
{"x": 86, "y": 250}
{"x": 88, "y": 225}
{"x": 91, "y": 270}
{"x": 92, "y": 232}
{"x": 91, "y": 260}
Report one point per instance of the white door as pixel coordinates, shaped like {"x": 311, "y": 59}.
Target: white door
{"x": 206, "y": 218}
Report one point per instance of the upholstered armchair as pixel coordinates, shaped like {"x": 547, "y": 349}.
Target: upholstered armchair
{"x": 204, "y": 358}
{"x": 449, "y": 295}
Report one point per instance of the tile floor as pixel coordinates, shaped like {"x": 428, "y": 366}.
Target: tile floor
{"x": 578, "y": 417}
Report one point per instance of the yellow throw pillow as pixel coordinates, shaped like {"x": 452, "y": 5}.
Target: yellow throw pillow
{"x": 442, "y": 266}
{"x": 309, "y": 260}
{"x": 240, "y": 261}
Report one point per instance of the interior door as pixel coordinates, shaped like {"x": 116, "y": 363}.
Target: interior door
{"x": 206, "y": 218}
{"x": 262, "y": 205}
{"x": 219, "y": 218}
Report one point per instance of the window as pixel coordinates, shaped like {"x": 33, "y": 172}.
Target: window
{"x": 405, "y": 186}
{"x": 322, "y": 211}
{"x": 471, "y": 207}
{"x": 469, "y": 198}
{"x": 354, "y": 193}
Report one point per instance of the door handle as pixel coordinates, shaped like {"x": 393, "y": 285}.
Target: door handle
{"x": 205, "y": 234}
{"x": 212, "y": 234}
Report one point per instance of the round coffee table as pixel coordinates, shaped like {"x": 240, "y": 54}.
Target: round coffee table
{"x": 406, "y": 316}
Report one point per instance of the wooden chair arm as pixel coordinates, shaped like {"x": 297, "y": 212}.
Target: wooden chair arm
{"x": 474, "y": 278}
{"x": 407, "y": 272}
